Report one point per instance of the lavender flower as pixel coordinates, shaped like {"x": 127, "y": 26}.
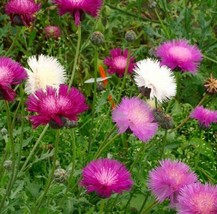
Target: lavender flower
{"x": 204, "y": 116}
{"x": 136, "y": 115}
{"x": 166, "y": 180}
{"x": 178, "y": 53}
{"x": 197, "y": 198}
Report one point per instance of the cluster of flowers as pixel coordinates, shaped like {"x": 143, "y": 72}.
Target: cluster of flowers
{"x": 175, "y": 181}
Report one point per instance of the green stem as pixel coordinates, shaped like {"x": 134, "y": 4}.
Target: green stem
{"x": 103, "y": 147}
{"x": 147, "y": 210}
{"x": 141, "y": 151}
{"x": 125, "y": 75}
{"x": 188, "y": 117}
{"x": 164, "y": 144}
{"x": 11, "y": 139}
{"x": 199, "y": 151}
{"x": 128, "y": 202}
{"x": 162, "y": 24}
{"x": 210, "y": 59}
{"x": 73, "y": 166}
{"x": 34, "y": 148}
{"x": 50, "y": 179}
{"x": 102, "y": 205}
{"x": 144, "y": 202}
{"x": 76, "y": 56}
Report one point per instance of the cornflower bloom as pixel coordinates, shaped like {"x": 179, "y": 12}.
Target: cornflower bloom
{"x": 134, "y": 114}
{"x": 11, "y": 73}
{"x": 197, "y": 198}
{"x": 167, "y": 180}
{"x": 117, "y": 62}
{"x": 105, "y": 177}
{"x": 44, "y": 71}
{"x": 77, "y": 8}
{"x": 204, "y": 116}
{"x": 22, "y": 12}
{"x": 52, "y": 31}
{"x": 56, "y": 106}
{"x": 179, "y": 54}
{"x": 157, "y": 80}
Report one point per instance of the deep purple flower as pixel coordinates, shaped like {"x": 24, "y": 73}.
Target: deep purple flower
{"x": 55, "y": 106}
{"x": 204, "y": 116}
{"x": 136, "y": 115}
{"x": 178, "y": 53}
{"x": 117, "y": 62}
{"x": 78, "y": 7}
{"x": 106, "y": 176}
{"x": 166, "y": 180}
{"x": 22, "y": 12}
{"x": 52, "y": 31}
{"x": 11, "y": 73}
{"x": 197, "y": 199}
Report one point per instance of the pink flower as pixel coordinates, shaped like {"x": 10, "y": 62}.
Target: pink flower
{"x": 166, "y": 180}
{"x": 52, "y": 31}
{"x": 22, "y": 12}
{"x": 136, "y": 115}
{"x": 77, "y": 8}
{"x": 56, "y": 106}
{"x": 117, "y": 62}
{"x": 11, "y": 73}
{"x": 178, "y": 53}
{"x": 106, "y": 176}
{"x": 197, "y": 199}
{"x": 204, "y": 116}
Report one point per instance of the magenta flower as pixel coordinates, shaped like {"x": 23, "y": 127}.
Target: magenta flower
{"x": 166, "y": 180}
{"x": 56, "y": 106}
{"x": 197, "y": 199}
{"x": 11, "y": 73}
{"x": 117, "y": 62}
{"x": 78, "y": 7}
{"x": 22, "y": 12}
{"x": 204, "y": 116}
{"x": 178, "y": 53}
{"x": 106, "y": 176}
{"x": 52, "y": 31}
{"x": 136, "y": 115}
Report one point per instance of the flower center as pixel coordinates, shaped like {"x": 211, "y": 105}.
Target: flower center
{"x": 106, "y": 176}
{"x": 49, "y": 105}
{"x": 76, "y": 1}
{"x": 6, "y": 76}
{"x": 204, "y": 203}
{"x": 180, "y": 53}
{"x": 175, "y": 176}
{"x": 120, "y": 62}
{"x": 138, "y": 116}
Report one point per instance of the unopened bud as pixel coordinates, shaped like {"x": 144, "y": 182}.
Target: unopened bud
{"x": 60, "y": 175}
{"x": 130, "y": 36}
{"x": 165, "y": 121}
{"x": 52, "y": 32}
{"x": 4, "y": 131}
{"x": 7, "y": 164}
{"x": 97, "y": 38}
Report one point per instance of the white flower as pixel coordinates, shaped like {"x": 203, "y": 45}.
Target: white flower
{"x": 45, "y": 71}
{"x": 159, "y": 79}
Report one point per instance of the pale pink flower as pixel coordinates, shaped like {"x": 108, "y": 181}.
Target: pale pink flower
{"x": 134, "y": 114}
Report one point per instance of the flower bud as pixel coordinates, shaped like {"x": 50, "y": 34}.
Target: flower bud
{"x": 4, "y": 131}
{"x": 52, "y": 32}
{"x": 165, "y": 121}
{"x": 130, "y": 36}
{"x": 7, "y": 165}
{"x": 60, "y": 175}
{"x": 97, "y": 38}
{"x": 211, "y": 85}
